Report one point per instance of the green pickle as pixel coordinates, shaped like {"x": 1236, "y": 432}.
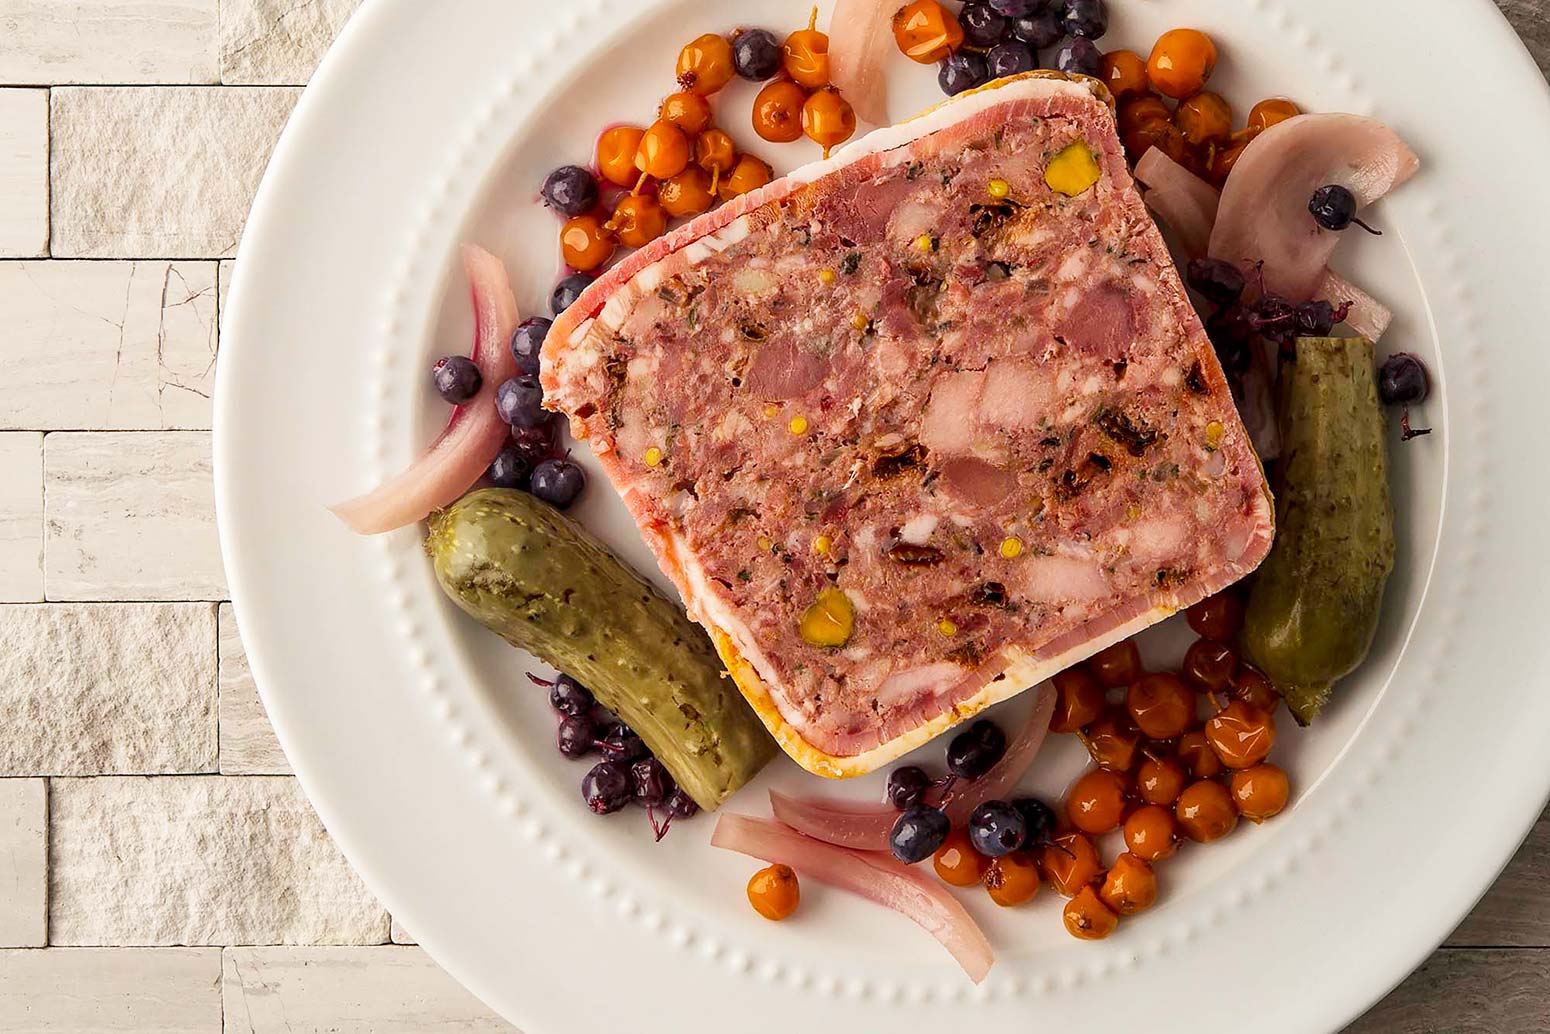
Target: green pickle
{"x": 537, "y": 579}
{"x": 1315, "y": 604}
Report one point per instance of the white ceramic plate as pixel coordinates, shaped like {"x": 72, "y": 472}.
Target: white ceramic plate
{"x": 430, "y": 758}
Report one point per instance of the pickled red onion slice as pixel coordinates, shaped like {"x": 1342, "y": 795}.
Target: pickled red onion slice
{"x": 1368, "y": 317}
{"x": 877, "y": 877}
{"x": 1182, "y": 200}
{"x": 463, "y": 452}
{"x": 860, "y": 40}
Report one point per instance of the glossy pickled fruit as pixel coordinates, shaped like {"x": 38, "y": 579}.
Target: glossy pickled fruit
{"x": 527, "y": 343}
{"x": 1218, "y": 617}
{"x": 828, "y": 120}
{"x": 1198, "y": 756}
{"x": 1242, "y": 735}
{"x": 567, "y": 291}
{"x": 1403, "y": 381}
{"x": 1040, "y": 29}
{"x": 576, "y": 736}
{"x": 1152, "y": 833}
{"x": 570, "y": 190}
{"x": 1260, "y": 792}
{"x": 606, "y": 787}
{"x": 558, "y": 482}
{"x": 829, "y": 620}
{"x": 570, "y": 697}
{"x": 1226, "y": 159}
{"x": 1160, "y": 780}
{"x": 1020, "y": 8}
{"x": 956, "y": 861}
{"x": 687, "y": 110}
{"x": 1113, "y": 742}
{"x": 686, "y": 194}
{"x": 755, "y": 54}
{"x": 1181, "y": 63}
{"x": 1079, "y": 700}
{"x": 536, "y": 444}
{"x": 1124, "y": 73}
{"x": 1221, "y": 283}
{"x": 1204, "y": 118}
{"x": 1271, "y": 112}
{"x": 457, "y": 379}
{"x": 975, "y": 751}
{"x": 652, "y": 782}
{"x": 1013, "y": 57}
{"x": 1209, "y": 665}
{"x": 747, "y": 175}
{"x": 997, "y": 829}
{"x": 917, "y": 833}
{"x": 586, "y": 243}
{"x": 664, "y": 151}
{"x": 926, "y": 31}
{"x": 715, "y": 151}
{"x": 1165, "y": 136}
{"x": 1086, "y": 18}
{"x": 1012, "y": 880}
{"x": 1095, "y": 804}
{"x": 774, "y": 892}
{"x": 1118, "y": 665}
{"x": 1205, "y": 812}
{"x": 638, "y": 220}
{"x": 907, "y": 785}
{"x": 509, "y": 469}
{"x": 705, "y": 64}
{"x": 805, "y": 55}
{"x": 1078, "y": 55}
{"x": 962, "y": 70}
{"x": 520, "y": 402}
{"x": 777, "y": 112}
{"x": 1069, "y": 862}
{"x": 1139, "y": 111}
{"x": 680, "y": 805}
{"x": 1038, "y": 818}
{"x": 1130, "y": 885}
{"x": 1088, "y": 918}
{"x": 1251, "y": 685}
{"x": 1161, "y": 705}
{"x": 616, "y": 150}
{"x": 982, "y": 26}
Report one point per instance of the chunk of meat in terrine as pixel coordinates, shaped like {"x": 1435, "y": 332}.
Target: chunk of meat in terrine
{"x": 978, "y": 409}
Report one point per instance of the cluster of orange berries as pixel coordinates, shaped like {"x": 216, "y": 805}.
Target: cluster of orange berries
{"x": 1198, "y": 132}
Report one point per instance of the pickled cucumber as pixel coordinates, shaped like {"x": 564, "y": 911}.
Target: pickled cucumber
{"x": 1315, "y": 603}
{"x": 538, "y": 580}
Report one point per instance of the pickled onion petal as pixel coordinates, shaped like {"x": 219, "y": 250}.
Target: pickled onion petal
{"x": 866, "y": 827}
{"x": 877, "y": 877}
{"x": 1182, "y": 200}
{"x": 1368, "y": 317}
{"x": 860, "y": 40}
{"x": 463, "y": 452}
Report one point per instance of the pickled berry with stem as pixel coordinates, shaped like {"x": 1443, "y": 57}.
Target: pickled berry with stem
{"x": 1038, "y": 820}
{"x": 962, "y": 70}
{"x": 982, "y": 26}
{"x": 576, "y": 737}
{"x": 1086, "y": 18}
{"x": 558, "y": 482}
{"x": 1039, "y": 30}
{"x": 976, "y": 750}
{"x": 571, "y": 191}
{"x": 1217, "y": 280}
{"x": 651, "y": 781}
{"x": 620, "y": 743}
{"x": 1010, "y": 58}
{"x": 1334, "y": 208}
{"x": 535, "y": 444}
{"x": 1403, "y": 380}
{"x": 509, "y": 469}
{"x": 907, "y": 786}
{"x": 997, "y": 828}
{"x": 1078, "y": 55}
{"x": 568, "y": 696}
{"x": 1318, "y": 318}
{"x": 917, "y": 833}
{"x": 520, "y": 402}
{"x": 607, "y": 787}
{"x": 680, "y": 805}
{"x": 457, "y": 379}
{"x": 528, "y": 341}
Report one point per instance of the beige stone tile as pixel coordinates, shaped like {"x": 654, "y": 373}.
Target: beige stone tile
{"x": 386, "y": 990}
{"x": 107, "y": 689}
{"x": 23, "y": 169}
{"x": 130, "y": 517}
{"x": 248, "y": 744}
{"x": 21, "y": 516}
{"x": 47, "y": 42}
{"x": 116, "y": 193}
{"x": 107, "y": 345}
{"x": 111, "y": 991}
{"x": 199, "y": 860}
{"x": 278, "y": 41}
{"x": 23, "y": 864}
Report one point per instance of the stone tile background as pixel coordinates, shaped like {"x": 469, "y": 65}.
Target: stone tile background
{"x": 152, "y": 842}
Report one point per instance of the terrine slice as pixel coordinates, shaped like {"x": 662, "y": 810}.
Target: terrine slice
{"x": 918, "y": 426}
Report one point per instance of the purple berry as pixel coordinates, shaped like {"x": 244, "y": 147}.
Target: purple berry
{"x": 509, "y": 469}
{"x": 558, "y": 482}
{"x": 568, "y": 696}
{"x": 576, "y": 736}
{"x": 457, "y": 379}
{"x": 1010, "y": 58}
{"x": 1078, "y": 55}
{"x": 567, "y": 291}
{"x": 982, "y": 27}
{"x": 1038, "y": 30}
{"x": 962, "y": 70}
{"x": 570, "y": 190}
{"x": 652, "y": 782}
{"x": 1015, "y": 8}
{"x": 907, "y": 785}
{"x": 607, "y": 787}
{"x": 1086, "y": 18}
{"x": 528, "y": 341}
{"x": 520, "y": 402}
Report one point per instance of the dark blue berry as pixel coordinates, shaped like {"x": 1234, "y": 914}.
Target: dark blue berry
{"x": 1010, "y": 58}
{"x": 1038, "y": 30}
{"x": 1038, "y": 820}
{"x": 509, "y": 469}
{"x": 457, "y": 379}
{"x": 976, "y": 750}
{"x": 567, "y": 291}
{"x": 1078, "y": 55}
{"x": 652, "y": 783}
{"x": 917, "y": 833}
{"x": 1217, "y": 280}
{"x": 558, "y": 482}
{"x": 996, "y": 828}
{"x": 1403, "y": 380}
{"x": 576, "y": 736}
{"x": 568, "y": 696}
{"x": 755, "y": 54}
{"x": 570, "y": 190}
{"x": 607, "y": 787}
{"x": 681, "y": 806}
{"x": 1015, "y": 8}
{"x": 906, "y": 786}
{"x": 962, "y": 70}
{"x": 528, "y": 341}
{"x": 982, "y": 27}
{"x": 1086, "y": 18}
{"x": 520, "y": 402}
{"x": 536, "y": 444}
{"x": 620, "y": 743}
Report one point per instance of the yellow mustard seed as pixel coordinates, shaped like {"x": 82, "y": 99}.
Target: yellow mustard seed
{"x": 653, "y": 457}
{"x": 764, "y": 543}
{"x": 999, "y": 188}
{"x": 1214, "y": 433}
{"x": 859, "y": 320}
{"x": 925, "y": 243}
{"x": 947, "y": 628}
{"x": 770, "y": 410}
{"x": 798, "y": 425}
{"x": 1012, "y": 547}
{"x": 828, "y": 276}
{"x": 822, "y": 544}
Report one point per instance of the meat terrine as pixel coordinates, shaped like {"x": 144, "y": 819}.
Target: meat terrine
{"x": 920, "y": 425}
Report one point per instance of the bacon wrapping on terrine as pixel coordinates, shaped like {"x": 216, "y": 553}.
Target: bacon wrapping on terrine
{"x": 942, "y": 395}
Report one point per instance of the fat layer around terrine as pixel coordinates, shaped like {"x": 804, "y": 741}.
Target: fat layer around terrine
{"x": 916, "y": 385}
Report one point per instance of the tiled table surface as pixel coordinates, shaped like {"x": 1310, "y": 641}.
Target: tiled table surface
{"x": 159, "y": 869}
